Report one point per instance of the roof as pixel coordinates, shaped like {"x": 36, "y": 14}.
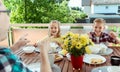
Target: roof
{"x": 86, "y": 2}
{"x": 106, "y": 1}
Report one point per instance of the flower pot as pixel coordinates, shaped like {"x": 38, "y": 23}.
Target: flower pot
{"x": 77, "y": 61}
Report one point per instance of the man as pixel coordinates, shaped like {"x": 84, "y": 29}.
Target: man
{"x": 10, "y": 62}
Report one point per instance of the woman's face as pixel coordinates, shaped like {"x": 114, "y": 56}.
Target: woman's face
{"x": 54, "y": 29}
{"x": 4, "y": 22}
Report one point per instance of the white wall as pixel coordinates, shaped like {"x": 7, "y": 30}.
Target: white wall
{"x": 87, "y": 9}
{"x": 103, "y": 9}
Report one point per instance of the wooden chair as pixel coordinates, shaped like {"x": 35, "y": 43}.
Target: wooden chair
{"x": 64, "y": 29}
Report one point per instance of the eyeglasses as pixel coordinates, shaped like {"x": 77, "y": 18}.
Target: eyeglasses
{"x": 5, "y": 11}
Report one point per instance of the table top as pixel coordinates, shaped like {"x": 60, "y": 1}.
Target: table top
{"x": 65, "y": 64}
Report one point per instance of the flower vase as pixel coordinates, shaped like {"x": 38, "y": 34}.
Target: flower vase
{"x": 77, "y": 61}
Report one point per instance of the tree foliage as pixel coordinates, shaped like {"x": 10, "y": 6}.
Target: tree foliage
{"x": 40, "y": 11}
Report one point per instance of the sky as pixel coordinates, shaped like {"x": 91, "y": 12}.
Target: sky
{"x": 74, "y": 3}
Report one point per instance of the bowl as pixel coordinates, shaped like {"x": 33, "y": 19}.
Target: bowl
{"x": 28, "y": 49}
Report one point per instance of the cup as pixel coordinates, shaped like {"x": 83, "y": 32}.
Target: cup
{"x": 53, "y": 47}
{"x": 115, "y": 60}
{"x": 51, "y": 59}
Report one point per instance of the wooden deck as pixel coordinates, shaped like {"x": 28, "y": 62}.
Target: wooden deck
{"x": 65, "y": 64}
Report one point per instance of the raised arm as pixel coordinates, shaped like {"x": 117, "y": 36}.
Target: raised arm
{"x": 45, "y": 64}
{"x": 22, "y": 41}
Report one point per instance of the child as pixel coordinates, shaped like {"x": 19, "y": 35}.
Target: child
{"x": 98, "y": 36}
{"x": 54, "y": 32}
{"x": 54, "y": 29}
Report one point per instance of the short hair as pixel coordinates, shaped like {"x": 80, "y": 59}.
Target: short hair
{"x": 57, "y": 22}
{"x": 99, "y": 20}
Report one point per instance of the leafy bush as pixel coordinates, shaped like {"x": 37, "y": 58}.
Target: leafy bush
{"x": 40, "y": 11}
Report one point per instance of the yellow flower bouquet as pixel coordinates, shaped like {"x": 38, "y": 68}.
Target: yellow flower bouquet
{"x": 76, "y": 44}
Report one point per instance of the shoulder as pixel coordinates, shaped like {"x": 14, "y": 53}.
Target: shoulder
{"x": 5, "y": 50}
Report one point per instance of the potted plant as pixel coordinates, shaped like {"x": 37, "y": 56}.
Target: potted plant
{"x": 77, "y": 45}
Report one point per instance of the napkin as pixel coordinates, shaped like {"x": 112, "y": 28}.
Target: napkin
{"x": 98, "y": 48}
{"x": 103, "y": 48}
{"x": 53, "y": 47}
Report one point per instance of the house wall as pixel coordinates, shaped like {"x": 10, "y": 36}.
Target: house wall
{"x": 87, "y": 9}
{"x": 104, "y": 8}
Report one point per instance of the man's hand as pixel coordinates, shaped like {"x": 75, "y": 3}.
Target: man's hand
{"x": 44, "y": 45}
{"x": 22, "y": 41}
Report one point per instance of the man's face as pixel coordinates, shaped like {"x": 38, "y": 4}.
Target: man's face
{"x": 4, "y": 22}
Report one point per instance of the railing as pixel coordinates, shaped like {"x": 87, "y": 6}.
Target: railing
{"x": 41, "y": 30}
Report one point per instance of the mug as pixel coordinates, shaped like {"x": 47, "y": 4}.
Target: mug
{"x": 115, "y": 60}
{"x": 53, "y": 47}
{"x": 51, "y": 59}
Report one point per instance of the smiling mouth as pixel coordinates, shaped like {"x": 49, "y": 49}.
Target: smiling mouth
{"x": 54, "y": 32}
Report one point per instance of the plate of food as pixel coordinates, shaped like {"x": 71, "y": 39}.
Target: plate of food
{"x": 93, "y": 59}
{"x": 58, "y": 57}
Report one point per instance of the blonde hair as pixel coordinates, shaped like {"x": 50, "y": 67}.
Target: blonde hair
{"x": 99, "y": 20}
{"x": 56, "y": 22}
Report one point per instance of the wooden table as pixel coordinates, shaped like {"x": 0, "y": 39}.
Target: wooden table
{"x": 65, "y": 64}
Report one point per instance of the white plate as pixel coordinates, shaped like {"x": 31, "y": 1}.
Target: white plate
{"x": 106, "y": 69}
{"x": 100, "y": 69}
{"x": 28, "y": 49}
{"x": 87, "y": 58}
{"x": 113, "y": 69}
{"x": 35, "y": 67}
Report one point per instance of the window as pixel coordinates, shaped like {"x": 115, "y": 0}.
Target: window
{"x": 118, "y": 9}
{"x": 106, "y": 7}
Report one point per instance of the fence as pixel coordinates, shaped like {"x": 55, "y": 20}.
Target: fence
{"x": 39, "y": 31}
